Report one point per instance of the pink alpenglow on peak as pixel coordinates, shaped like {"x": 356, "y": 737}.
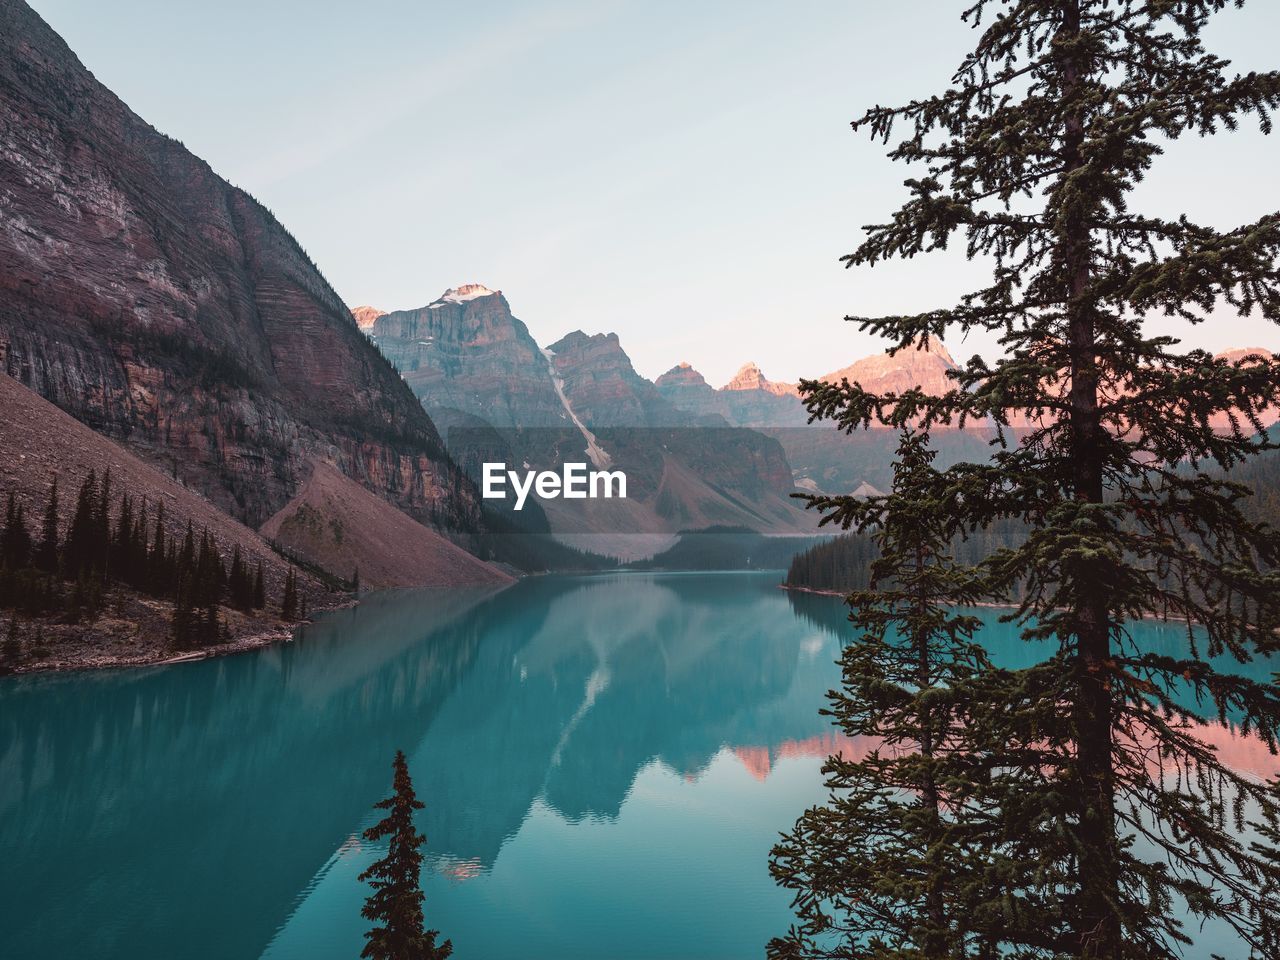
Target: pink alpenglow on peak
{"x": 751, "y": 378}
{"x": 367, "y": 316}
{"x": 924, "y": 367}
{"x": 465, "y": 292}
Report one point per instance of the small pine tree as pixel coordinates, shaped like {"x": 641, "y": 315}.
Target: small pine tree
{"x": 395, "y": 905}
{"x": 878, "y": 870}
{"x": 259, "y": 589}
{"x": 80, "y": 548}
{"x": 289, "y": 603}
{"x": 158, "y": 569}
{"x": 15, "y": 540}
{"x": 46, "y": 555}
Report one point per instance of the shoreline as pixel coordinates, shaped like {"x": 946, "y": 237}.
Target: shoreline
{"x": 841, "y": 594}
{"x": 254, "y": 639}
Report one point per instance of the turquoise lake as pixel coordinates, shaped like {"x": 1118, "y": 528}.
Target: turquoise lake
{"x": 605, "y": 763}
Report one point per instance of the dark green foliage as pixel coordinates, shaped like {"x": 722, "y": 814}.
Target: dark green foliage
{"x": 125, "y": 546}
{"x": 881, "y": 870}
{"x": 46, "y": 555}
{"x": 395, "y": 906}
{"x": 259, "y": 589}
{"x": 1030, "y": 156}
{"x": 844, "y": 564}
{"x": 82, "y": 547}
{"x": 15, "y": 539}
{"x": 289, "y": 602}
{"x": 839, "y": 565}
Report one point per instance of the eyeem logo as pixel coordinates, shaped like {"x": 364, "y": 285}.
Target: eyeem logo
{"x": 575, "y": 482}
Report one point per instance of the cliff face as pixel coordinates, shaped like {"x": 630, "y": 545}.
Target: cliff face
{"x": 466, "y": 352}
{"x": 165, "y": 308}
{"x": 604, "y": 388}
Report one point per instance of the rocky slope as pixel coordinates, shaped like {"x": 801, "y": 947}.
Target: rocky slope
{"x": 38, "y": 442}
{"x": 341, "y": 527}
{"x": 171, "y": 311}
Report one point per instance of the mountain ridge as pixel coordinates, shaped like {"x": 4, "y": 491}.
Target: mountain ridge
{"x": 171, "y": 311}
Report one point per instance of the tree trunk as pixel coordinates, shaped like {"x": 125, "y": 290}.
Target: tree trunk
{"x": 936, "y": 943}
{"x": 1099, "y": 933}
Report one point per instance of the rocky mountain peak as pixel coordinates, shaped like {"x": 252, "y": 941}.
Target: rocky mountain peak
{"x": 465, "y": 292}
{"x": 750, "y": 377}
{"x": 367, "y": 316}
{"x": 921, "y": 366}
{"x": 681, "y": 375}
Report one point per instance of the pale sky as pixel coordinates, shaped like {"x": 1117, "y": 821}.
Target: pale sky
{"x": 680, "y": 173}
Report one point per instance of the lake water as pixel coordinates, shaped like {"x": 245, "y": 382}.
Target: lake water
{"x": 605, "y": 761}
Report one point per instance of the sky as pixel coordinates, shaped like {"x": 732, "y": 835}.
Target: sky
{"x": 680, "y": 173}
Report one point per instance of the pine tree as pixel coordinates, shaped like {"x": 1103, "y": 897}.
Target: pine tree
{"x": 81, "y": 546}
{"x": 889, "y": 850}
{"x": 15, "y": 539}
{"x": 1031, "y": 155}
{"x": 289, "y": 602}
{"x": 159, "y": 570}
{"x": 46, "y": 555}
{"x": 395, "y": 906}
{"x": 238, "y": 582}
{"x": 259, "y": 589}
{"x": 102, "y": 525}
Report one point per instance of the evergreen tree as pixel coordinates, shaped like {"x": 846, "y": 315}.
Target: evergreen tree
{"x": 890, "y": 849}
{"x": 159, "y": 567}
{"x": 15, "y": 539}
{"x": 81, "y": 545}
{"x": 259, "y": 589}
{"x": 102, "y": 525}
{"x": 289, "y": 602}
{"x": 238, "y": 584}
{"x": 1031, "y": 155}
{"x": 879, "y": 871}
{"x": 46, "y": 555}
{"x": 395, "y": 906}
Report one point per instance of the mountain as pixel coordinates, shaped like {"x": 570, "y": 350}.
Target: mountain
{"x": 468, "y": 359}
{"x": 499, "y": 396}
{"x": 923, "y": 366}
{"x": 748, "y": 400}
{"x": 366, "y": 316}
{"x": 596, "y": 376}
{"x": 340, "y": 526}
{"x": 749, "y": 377}
{"x": 171, "y": 311}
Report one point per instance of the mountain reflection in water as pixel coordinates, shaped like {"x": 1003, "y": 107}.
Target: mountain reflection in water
{"x": 605, "y": 763}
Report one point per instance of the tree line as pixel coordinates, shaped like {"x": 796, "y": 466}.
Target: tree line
{"x": 121, "y": 541}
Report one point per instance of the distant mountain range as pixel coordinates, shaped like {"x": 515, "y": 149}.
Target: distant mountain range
{"x": 475, "y": 365}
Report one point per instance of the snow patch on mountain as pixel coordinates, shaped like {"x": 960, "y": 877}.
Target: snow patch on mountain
{"x": 598, "y": 456}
